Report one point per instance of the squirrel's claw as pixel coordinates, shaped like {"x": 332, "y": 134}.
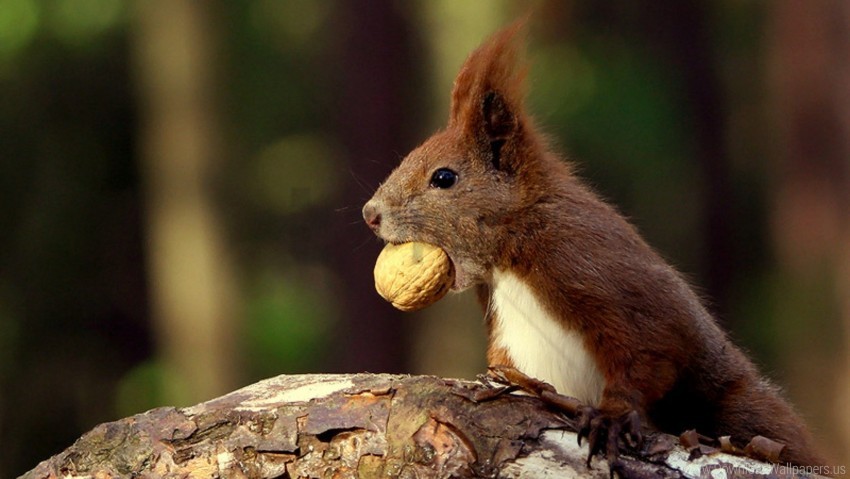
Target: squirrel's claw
{"x": 631, "y": 429}
{"x": 604, "y": 433}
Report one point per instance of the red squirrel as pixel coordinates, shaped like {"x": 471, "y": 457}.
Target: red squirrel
{"x": 571, "y": 292}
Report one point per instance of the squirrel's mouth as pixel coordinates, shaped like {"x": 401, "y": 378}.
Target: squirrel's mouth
{"x": 462, "y": 279}
{"x": 457, "y": 272}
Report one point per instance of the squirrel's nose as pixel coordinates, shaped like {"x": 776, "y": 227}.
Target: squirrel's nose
{"x": 372, "y": 215}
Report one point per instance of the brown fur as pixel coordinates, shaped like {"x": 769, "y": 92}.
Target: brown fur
{"x": 518, "y": 207}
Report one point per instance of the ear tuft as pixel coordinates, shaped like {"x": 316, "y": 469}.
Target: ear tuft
{"x": 489, "y": 91}
{"x": 499, "y": 122}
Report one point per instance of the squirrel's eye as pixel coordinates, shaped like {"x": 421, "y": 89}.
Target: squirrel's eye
{"x": 443, "y": 178}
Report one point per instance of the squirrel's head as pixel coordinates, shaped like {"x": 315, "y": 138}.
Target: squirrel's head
{"x": 464, "y": 189}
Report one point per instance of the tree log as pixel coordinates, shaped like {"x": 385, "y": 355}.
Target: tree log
{"x": 368, "y": 425}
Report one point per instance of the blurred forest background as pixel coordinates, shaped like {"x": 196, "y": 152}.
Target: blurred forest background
{"x": 181, "y": 184}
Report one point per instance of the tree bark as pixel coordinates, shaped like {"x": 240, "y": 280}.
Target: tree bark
{"x": 365, "y": 425}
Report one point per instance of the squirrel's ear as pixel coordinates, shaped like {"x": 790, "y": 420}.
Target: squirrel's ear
{"x": 488, "y": 93}
{"x": 499, "y": 120}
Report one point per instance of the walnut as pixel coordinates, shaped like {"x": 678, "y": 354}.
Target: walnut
{"x": 413, "y": 275}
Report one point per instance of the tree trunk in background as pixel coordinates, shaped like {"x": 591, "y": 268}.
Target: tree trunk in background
{"x": 373, "y": 63}
{"x": 191, "y": 277}
{"x": 810, "y": 74}
{"x": 684, "y": 29}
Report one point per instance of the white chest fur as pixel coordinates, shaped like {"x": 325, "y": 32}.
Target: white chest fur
{"x": 538, "y": 345}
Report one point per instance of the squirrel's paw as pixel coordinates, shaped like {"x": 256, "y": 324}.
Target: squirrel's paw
{"x": 604, "y": 433}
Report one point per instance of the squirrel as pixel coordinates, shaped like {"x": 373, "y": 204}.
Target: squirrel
{"x": 572, "y": 293}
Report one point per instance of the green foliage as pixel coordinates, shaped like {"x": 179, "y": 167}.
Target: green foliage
{"x": 75, "y": 23}
{"x": 145, "y": 387}
{"x": 18, "y": 26}
{"x": 294, "y": 173}
{"x": 288, "y": 320}
{"x": 80, "y": 22}
{"x": 618, "y": 111}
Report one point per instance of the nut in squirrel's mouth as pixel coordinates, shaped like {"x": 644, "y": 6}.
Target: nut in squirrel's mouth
{"x": 458, "y": 284}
